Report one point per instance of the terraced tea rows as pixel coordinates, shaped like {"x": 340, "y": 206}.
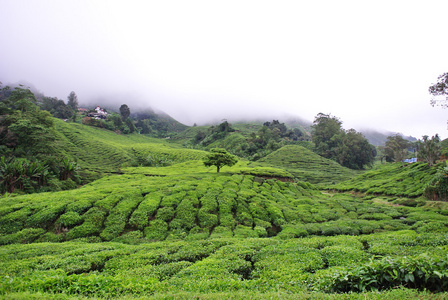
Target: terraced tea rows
{"x": 306, "y": 165}
{"x": 406, "y": 180}
{"x": 105, "y": 151}
{"x": 135, "y": 208}
{"x": 251, "y": 231}
{"x": 224, "y": 265}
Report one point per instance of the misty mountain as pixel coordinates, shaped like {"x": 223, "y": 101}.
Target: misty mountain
{"x": 378, "y": 138}
{"x": 160, "y": 120}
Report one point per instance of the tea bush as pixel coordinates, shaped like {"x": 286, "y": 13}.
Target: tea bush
{"x": 421, "y": 272}
{"x": 407, "y": 180}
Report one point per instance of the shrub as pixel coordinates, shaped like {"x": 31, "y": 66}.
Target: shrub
{"x": 27, "y": 235}
{"x": 243, "y": 215}
{"x": 242, "y": 231}
{"x": 292, "y": 231}
{"x": 420, "y": 272}
{"x": 93, "y": 223}
{"x": 437, "y": 187}
{"x": 165, "y": 213}
{"x": 157, "y": 230}
{"x": 116, "y": 221}
{"x": 69, "y": 219}
{"x": 343, "y": 255}
{"x": 146, "y": 208}
{"x": 260, "y": 231}
{"x": 186, "y": 213}
{"x": 51, "y": 237}
{"x": 15, "y": 220}
{"x": 220, "y": 231}
{"x": 46, "y": 216}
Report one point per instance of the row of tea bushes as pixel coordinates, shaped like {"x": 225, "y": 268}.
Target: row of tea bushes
{"x": 136, "y": 208}
{"x": 104, "y": 151}
{"x": 397, "y": 179}
{"x": 332, "y": 264}
{"x": 308, "y": 166}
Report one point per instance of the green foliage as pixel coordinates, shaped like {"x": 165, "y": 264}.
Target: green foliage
{"x": 349, "y": 148}
{"x": 325, "y": 136}
{"x": 104, "y": 151}
{"x": 157, "y": 230}
{"x": 437, "y": 187}
{"x": 245, "y": 140}
{"x": 31, "y": 176}
{"x": 214, "y": 134}
{"x": 421, "y": 272}
{"x": 57, "y": 107}
{"x": 118, "y": 216}
{"x": 27, "y": 235}
{"x": 306, "y": 165}
{"x": 439, "y": 89}
{"x": 72, "y": 101}
{"x": 226, "y": 265}
{"x": 396, "y": 148}
{"x": 26, "y": 129}
{"x": 125, "y": 112}
{"x": 219, "y": 158}
{"x": 145, "y": 210}
{"x": 429, "y": 149}
{"x": 407, "y": 180}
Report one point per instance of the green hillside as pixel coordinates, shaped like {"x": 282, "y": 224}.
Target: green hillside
{"x": 151, "y": 221}
{"x": 251, "y": 141}
{"x": 185, "y": 205}
{"x": 105, "y": 151}
{"x": 201, "y": 233}
{"x": 307, "y": 166}
{"x": 408, "y": 180}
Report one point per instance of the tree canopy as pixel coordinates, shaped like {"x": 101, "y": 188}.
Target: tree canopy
{"x": 125, "y": 112}
{"x": 56, "y": 107}
{"x": 440, "y": 88}
{"x": 24, "y": 128}
{"x": 429, "y": 149}
{"x": 219, "y": 157}
{"x": 326, "y": 129}
{"x": 349, "y": 148}
{"x": 396, "y": 148}
{"x": 72, "y": 101}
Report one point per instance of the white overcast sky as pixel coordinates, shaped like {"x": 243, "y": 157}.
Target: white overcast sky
{"x": 367, "y": 62}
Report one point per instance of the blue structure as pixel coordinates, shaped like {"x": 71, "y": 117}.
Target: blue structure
{"x": 410, "y": 160}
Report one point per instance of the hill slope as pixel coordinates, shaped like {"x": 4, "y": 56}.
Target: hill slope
{"x": 187, "y": 205}
{"x": 102, "y": 151}
{"x": 308, "y": 166}
{"x": 205, "y": 234}
{"x": 397, "y": 179}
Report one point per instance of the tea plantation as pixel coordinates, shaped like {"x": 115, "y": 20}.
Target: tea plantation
{"x": 308, "y": 166}
{"x": 159, "y": 224}
{"x": 202, "y": 234}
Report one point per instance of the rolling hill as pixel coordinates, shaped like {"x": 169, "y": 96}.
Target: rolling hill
{"x": 307, "y": 166}
{"x": 105, "y": 151}
{"x": 188, "y": 232}
{"x": 160, "y": 224}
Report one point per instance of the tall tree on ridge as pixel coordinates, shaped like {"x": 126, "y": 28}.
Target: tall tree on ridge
{"x": 73, "y": 101}
{"x": 125, "y": 112}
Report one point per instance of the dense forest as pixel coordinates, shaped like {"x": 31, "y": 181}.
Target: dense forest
{"x": 108, "y": 202}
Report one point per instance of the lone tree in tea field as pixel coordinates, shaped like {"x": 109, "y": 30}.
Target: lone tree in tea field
{"x": 219, "y": 157}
